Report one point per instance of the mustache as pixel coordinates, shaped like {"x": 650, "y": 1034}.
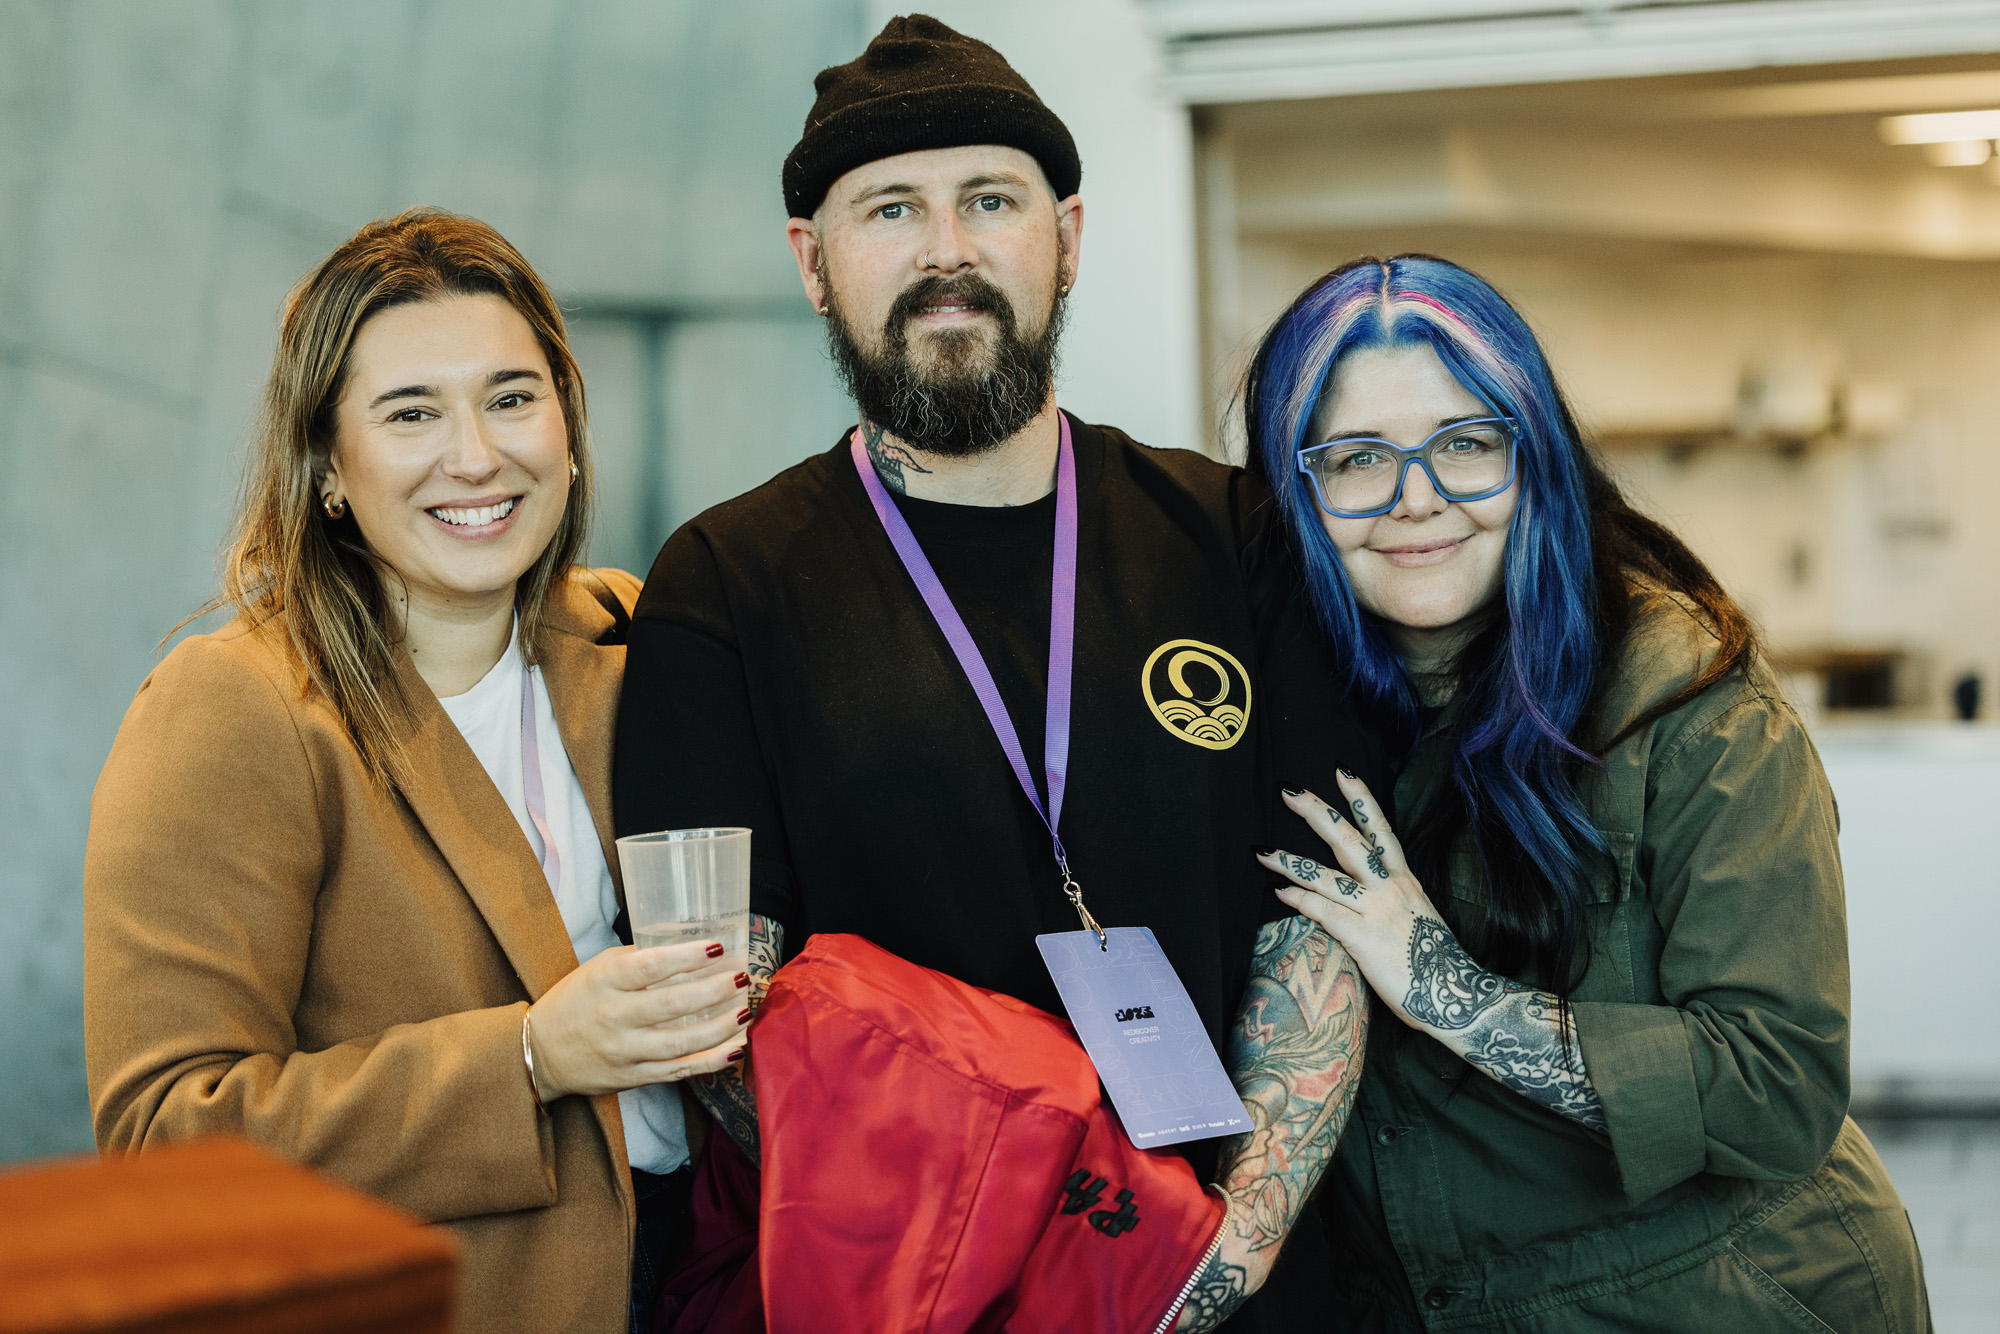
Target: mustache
{"x": 968, "y": 290}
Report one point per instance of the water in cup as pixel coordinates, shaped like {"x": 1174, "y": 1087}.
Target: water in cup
{"x": 732, "y": 929}
{"x": 691, "y": 884}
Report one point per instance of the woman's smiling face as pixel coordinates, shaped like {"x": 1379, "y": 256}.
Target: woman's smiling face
{"x": 450, "y": 446}
{"x": 1430, "y": 566}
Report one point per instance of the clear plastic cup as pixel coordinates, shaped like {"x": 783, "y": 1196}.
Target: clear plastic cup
{"x": 691, "y": 884}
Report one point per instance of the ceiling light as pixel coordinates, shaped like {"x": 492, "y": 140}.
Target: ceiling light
{"x": 1967, "y": 153}
{"x": 1940, "y": 127}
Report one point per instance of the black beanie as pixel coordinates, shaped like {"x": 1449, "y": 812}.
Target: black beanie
{"x": 921, "y": 85}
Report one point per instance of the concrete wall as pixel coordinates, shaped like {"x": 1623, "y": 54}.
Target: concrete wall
{"x": 167, "y": 171}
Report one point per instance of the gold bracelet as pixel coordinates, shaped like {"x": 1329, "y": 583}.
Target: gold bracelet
{"x": 528, "y": 1058}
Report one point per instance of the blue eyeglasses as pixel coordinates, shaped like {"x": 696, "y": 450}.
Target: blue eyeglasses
{"x": 1360, "y": 478}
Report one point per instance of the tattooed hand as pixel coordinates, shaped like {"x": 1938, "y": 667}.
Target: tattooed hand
{"x": 1515, "y": 1034}
{"x": 1367, "y": 900}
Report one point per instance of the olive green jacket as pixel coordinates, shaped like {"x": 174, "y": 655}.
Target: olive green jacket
{"x": 1731, "y": 1193}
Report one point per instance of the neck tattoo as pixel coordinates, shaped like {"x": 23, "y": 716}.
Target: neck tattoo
{"x": 890, "y": 460}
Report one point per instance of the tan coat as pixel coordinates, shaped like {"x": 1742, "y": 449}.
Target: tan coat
{"x": 277, "y": 946}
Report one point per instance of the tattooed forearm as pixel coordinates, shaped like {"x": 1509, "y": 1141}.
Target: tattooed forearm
{"x": 731, "y": 1095}
{"x": 891, "y": 460}
{"x": 1524, "y": 1046}
{"x": 1295, "y": 1056}
{"x": 1515, "y": 1034}
{"x": 1219, "y": 1289}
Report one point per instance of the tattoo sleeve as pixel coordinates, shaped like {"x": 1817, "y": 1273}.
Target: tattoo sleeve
{"x": 1219, "y": 1289}
{"x": 731, "y": 1095}
{"x": 1295, "y": 1056}
{"x": 1516, "y": 1035}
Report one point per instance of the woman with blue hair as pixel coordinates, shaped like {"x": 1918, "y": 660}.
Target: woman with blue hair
{"x": 1613, "y": 929}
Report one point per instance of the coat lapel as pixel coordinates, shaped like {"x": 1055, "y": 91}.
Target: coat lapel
{"x": 584, "y": 679}
{"x": 467, "y": 818}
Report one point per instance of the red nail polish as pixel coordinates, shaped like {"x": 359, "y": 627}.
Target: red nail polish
{"x": 743, "y": 1016}
{"x": 738, "y": 1054}
{"x": 742, "y": 981}
{"x": 715, "y": 951}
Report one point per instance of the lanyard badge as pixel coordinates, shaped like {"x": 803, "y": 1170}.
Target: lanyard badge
{"x": 1128, "y": 1006}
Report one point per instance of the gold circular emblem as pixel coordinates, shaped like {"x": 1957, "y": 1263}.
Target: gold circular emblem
{"x": 1198, "y": 692}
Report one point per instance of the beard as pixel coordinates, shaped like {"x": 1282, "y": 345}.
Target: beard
{"x": 968, "y": 399}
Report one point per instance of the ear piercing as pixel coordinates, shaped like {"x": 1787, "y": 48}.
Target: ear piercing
{"x": 335, "y": 509}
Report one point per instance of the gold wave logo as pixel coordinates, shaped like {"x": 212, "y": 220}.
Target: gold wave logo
{"x": 1198, "y": 692}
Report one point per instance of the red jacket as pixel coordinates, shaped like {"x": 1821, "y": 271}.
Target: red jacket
{"x": 939, "y": 1158}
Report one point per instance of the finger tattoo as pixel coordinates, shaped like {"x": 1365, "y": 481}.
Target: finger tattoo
{"x": 1376, "y": 866}
{"x": 1348, "y": 886}
{"x": 1360, "y": 811}
{"x": 1305, "y": 869}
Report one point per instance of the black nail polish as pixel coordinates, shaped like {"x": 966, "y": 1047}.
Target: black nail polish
{"x": 1348, "y": 774}
{"x": 1262, "y": 849}
{"x": 1295, "y": 792}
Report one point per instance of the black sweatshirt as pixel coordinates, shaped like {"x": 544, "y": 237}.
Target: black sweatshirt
{"x": 784, "y": 674}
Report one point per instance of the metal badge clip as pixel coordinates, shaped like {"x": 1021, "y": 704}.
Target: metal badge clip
{"x": 1074, "y": 891}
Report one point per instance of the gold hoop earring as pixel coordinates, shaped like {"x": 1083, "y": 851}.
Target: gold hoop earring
{"x": 573, "y": 472}
{"x": 335, "y": 509}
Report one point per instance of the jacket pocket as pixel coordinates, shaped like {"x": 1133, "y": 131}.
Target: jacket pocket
{"x": 1827, "y": 1246}
{"x": 1774, "y": 1294}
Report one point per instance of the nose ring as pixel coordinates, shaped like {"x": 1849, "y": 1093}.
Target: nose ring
{"x": 927, "y": 259}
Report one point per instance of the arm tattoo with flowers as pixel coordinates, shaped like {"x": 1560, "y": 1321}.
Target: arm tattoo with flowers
{"x": 1295, "y": 1056}
{"x": 731, "y": 1095}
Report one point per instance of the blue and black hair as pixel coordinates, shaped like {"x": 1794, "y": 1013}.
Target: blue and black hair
{"x": 1528, "y": 681}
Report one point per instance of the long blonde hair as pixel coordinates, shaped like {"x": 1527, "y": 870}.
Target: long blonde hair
{"x": 311, "y": 578}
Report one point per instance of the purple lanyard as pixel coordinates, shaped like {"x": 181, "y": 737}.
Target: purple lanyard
{"x": 531, "y": 781}
{"x": 1062, "y": 643}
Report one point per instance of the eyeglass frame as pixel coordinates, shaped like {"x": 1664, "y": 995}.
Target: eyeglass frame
{"x": 1419, "y": 454}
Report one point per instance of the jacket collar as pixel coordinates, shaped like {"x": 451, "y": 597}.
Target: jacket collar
{"x": 467, "y": 818}
{"x": 465, "y": 815}
{"x": 584, "y": 677}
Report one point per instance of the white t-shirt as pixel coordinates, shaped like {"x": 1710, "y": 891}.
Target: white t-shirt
{"x": 489, "y": 717}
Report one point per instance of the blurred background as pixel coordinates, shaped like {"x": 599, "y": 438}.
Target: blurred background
{"x": 1761, "y": 239}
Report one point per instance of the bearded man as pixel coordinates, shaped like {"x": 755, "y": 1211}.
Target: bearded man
{"x": 787, "y": 673}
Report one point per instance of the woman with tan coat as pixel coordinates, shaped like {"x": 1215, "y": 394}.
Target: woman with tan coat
{"x": 348, "y": 851}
